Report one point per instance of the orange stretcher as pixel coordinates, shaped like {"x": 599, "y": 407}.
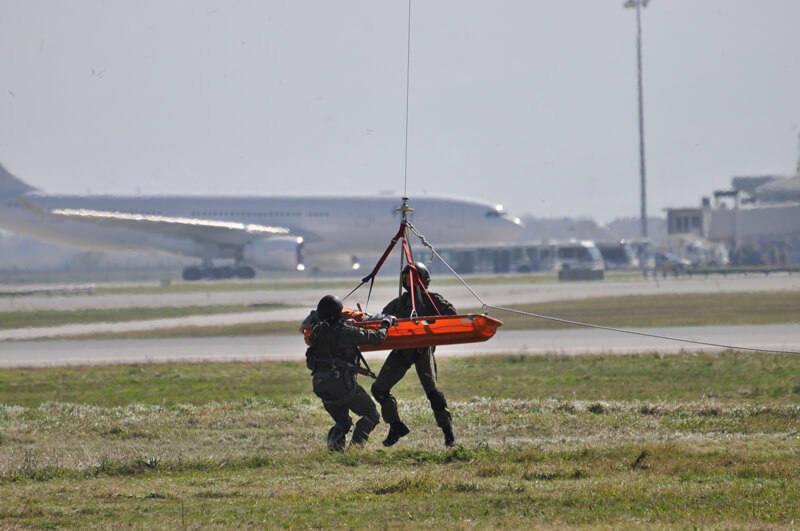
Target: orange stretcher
{"x": 426, "y": 331}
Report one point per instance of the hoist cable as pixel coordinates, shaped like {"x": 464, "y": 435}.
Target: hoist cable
{"x": 408, "y": 83}
{"x": 586, "y": 325}
{"x": 453, "y": 271}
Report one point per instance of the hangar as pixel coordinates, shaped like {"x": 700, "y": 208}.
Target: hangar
{"x": 758, "y": 219}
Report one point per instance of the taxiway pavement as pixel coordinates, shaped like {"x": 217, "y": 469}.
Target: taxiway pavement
{"x": 291, "y": 347}
{"x": 47, "y": 346}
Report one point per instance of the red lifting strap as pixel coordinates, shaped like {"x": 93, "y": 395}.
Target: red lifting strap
{"x": 414, "y": 279}
{"x": 400, "y": 234}
{"x": 414, "y": 274}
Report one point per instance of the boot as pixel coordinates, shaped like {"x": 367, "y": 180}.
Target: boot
{"x": 336, "y": 439}
{"x": 359, "y": 439}
{"x": 449, "y": 437}
{"x": 396, "y": 430}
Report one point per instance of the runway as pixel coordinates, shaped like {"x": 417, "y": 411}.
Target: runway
{"x": 51, "y": 346}
{"x": 504, "y": 291}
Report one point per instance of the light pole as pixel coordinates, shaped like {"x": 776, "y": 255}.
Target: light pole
{"x": 639, "y": 5}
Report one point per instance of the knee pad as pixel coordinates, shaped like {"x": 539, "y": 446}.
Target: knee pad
{"x": 380, "y": 394}
{"x": 437, "y": 400}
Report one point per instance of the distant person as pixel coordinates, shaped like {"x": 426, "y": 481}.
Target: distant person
{"x": 333, "y": 358}
{"x": 399, "y": 361}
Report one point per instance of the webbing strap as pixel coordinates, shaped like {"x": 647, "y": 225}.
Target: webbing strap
{"x": 402, "y": 234}
{"x": 414, "y": 279}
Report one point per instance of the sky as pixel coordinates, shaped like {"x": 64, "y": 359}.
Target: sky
{"x": 529, "y": 104}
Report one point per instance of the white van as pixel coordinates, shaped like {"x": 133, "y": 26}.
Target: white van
{"x": 618, "y": 255}
{"x": 578, "y": 254}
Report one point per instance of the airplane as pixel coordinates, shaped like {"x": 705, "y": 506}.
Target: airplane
{"x": 268, "y": 233}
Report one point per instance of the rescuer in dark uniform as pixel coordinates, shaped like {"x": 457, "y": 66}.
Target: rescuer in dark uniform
{"x": 333, "y": 357}
{"x": 399, "y": 361}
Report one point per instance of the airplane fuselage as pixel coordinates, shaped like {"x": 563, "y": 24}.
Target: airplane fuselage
{"x": 328, "y": 225}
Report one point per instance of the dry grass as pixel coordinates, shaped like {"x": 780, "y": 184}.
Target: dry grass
{"x": 589, "y": 458}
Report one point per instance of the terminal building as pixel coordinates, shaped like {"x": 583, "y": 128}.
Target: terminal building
{"x": 758, "y": 220}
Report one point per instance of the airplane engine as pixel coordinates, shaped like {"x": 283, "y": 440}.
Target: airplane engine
{"x": 281, "y": 253}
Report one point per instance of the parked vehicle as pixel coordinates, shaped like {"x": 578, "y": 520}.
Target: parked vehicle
{"x": 581, "y": 255}
{"x": 618, "y": 255}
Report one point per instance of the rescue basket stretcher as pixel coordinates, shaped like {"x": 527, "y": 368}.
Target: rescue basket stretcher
{"x": 431, "y": 330}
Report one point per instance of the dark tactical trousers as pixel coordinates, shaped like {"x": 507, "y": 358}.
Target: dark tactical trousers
{"x": 360, "y": 403}
{"x": 394, "y": 368}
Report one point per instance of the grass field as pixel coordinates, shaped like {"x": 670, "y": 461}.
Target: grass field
{"x": 639, "y": 441}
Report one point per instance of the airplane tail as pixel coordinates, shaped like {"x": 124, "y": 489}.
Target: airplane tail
{"x": 10, "y": 184}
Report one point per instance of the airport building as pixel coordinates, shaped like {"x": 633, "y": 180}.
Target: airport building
{"x": 573, "y": 259}
{"x": 758, "y": 220}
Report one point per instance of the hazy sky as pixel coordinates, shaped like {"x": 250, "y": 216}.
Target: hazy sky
{"x": 531, "y": 104}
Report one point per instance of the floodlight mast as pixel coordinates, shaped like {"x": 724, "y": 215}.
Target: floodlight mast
{"x": 638, "y": 5}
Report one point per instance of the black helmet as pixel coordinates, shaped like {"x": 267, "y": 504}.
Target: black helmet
{"x": 329, "y": 308}
{"x": 422, "y": 271}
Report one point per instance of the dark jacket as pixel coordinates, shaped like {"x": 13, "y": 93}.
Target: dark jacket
{"x": 340, "y": 340}
{"x": 333, "y": 356}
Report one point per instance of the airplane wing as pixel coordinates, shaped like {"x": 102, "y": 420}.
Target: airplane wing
{"x": 200, "y": 230}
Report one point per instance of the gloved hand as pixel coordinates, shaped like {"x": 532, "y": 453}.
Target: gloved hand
{"x": 388, "y": 320}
